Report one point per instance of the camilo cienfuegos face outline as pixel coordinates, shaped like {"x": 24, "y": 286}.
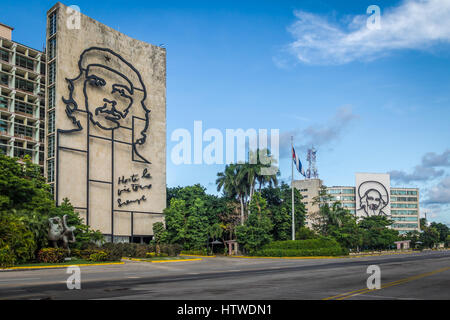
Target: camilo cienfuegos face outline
{"x": 373, "y": 198}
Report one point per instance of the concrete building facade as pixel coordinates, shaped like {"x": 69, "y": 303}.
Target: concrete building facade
{"x": 22, "y": 99}
{"x": 401, "y": 204}
{"x": 106, "y": 128}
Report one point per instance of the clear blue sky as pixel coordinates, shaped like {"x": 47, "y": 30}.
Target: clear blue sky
{"x": 371, "y": 101}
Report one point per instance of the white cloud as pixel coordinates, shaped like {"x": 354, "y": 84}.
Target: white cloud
{"x": 426, "y": 170}
{"x": 319, "y": 135}
{"x": 414, "y": 24}
{"x": 439, "y": 194}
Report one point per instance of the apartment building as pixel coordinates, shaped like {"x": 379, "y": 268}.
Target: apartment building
{"x": 22, "y": 99}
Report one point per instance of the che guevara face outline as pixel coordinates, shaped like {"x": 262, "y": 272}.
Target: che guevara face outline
{"x": 109, "y": 94}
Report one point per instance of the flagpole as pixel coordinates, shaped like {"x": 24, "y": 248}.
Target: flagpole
{"x": 292, "y": 187}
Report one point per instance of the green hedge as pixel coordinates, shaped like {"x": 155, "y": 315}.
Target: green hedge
{"x": 303, "y": 244}
{"x": 334, "y": 251}
{"x": 302, "y": 248}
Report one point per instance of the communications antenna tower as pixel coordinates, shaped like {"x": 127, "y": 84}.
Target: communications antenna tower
{"x": 312, "y": 172}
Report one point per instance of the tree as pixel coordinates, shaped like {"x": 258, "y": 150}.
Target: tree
{"x": 187, "y": 219}
{"x": 279, "y": 203}
{"x": 239, "y": 180}
{"x": 414, "y": 236}
{"x": 159, "y": 235}
{"x": 376, "y": 234}
{"x": 256, "y": 231}
{"x": 233, "y": 185}
{"x": 429, "y": 237}
{"x": 443, "y": 230}
{"x": 17, "y": 243}
{"x": 25, "y": 196}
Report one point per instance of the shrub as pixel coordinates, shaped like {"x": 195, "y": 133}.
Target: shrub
{"x": 113, "y": 255}
{"x": 133, "y": 250}
{"x": 17, "y": 238}
{"x": 151, "y": 255}
{"x": 7, "y": 257}
{"x": 203, "y": 252}
{"x": 86, "y": 254}
{"x": 172, "y": 250}
{"x": 99, "y": 256}
{"x": 51, "y": 255}
{"x": 115, "y": 251}
{"x": 141, "y": 250}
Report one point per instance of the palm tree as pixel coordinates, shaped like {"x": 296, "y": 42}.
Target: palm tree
{"x": 233, "y": 185}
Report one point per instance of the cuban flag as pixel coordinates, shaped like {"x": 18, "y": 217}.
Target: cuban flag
{"x": 297, "y": 162}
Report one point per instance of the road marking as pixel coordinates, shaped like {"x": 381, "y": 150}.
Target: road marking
{"x": 20, "y": 279}
{"x": 350, "y": 294}
{"x": 63, "y": 266}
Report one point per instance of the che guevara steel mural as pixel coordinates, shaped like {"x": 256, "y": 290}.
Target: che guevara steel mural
{"x": 111, "y": 89}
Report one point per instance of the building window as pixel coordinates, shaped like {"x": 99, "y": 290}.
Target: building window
{"x": 21, "y": 130}
{"x": 404, "y": 192}
{"x": 404, "y": 225}
{"x": 24, "y": 85}
{"x": 51, "y": 121}
{"x": 404, "y": 199}
{"x": 3, "y": 126}
{"x": 3, "y": 103}
{"x": 51, "y": 97}
{"x": 4, "y": 79}
{"x": 51, "y": 170}
{"x": 23, "y": 107}
{"x": 51, "y": 73}
{"x": 24, "y": 62}
{"x": 403, "y": 205}
{"x": 51, "y": 146}
{"x": 405, "y": 212}
{"x": 404, "y": 219}
{"x": 51, "y": 48}
{"x": 4, "y": 55}
{"x": 52, "y": 23}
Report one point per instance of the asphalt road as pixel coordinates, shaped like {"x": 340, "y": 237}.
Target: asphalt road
{"x": 403, "y": 276}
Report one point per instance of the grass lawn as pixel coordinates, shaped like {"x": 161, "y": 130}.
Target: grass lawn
{"x": 68, "y": 263}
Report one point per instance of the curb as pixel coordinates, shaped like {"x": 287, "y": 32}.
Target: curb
{"x": 325, "y": 257}
{"x": 61, "y": 266}
{"x": 195, "y": 255}
{"x": 162, "y": 261}
{"x": 297, "y": 258}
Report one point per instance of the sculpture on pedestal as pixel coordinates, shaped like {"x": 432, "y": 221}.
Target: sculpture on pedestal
{"x": 60, "y": 231}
